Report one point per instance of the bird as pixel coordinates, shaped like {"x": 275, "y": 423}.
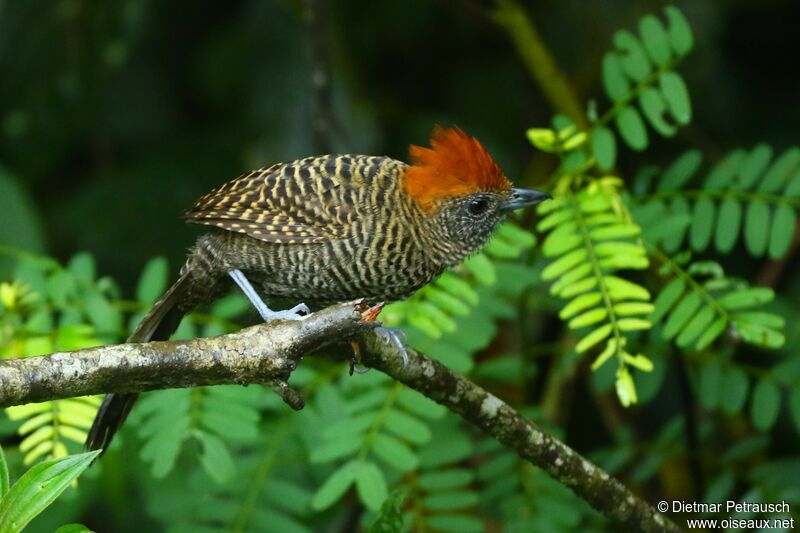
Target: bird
{"x": 333, "y": 228}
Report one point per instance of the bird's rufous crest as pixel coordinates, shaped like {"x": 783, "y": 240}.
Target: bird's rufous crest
{"x": 455, "y": 165}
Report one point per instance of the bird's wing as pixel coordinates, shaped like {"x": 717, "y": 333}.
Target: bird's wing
{"x": 306, "y": 201}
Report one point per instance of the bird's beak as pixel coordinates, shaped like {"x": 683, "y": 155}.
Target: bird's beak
{"x": 523, "y": 198}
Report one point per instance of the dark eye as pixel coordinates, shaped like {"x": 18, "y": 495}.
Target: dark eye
{"x": 478, "y": 206}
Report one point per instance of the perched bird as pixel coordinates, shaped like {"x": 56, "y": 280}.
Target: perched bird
{"x": 329, "y": 229}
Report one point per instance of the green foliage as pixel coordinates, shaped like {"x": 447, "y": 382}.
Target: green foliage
{"x": 48, "y": 425}
{"x": 719, "y": 393}
{"x": 37, "y": 488}
{"x": 695, "y": 313}
{"x": 748, "y": 195}
{"x": 207, "y": 420}
{"x": 590, "y": 239}
{"x": 639, "y": 70}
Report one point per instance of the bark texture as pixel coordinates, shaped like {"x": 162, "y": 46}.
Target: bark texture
{"x": 267, "y": 354}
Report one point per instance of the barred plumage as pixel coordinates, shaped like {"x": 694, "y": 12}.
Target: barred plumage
{"x": 334, "y": 228}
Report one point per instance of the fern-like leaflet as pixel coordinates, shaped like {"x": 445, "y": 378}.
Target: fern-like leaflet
{"x": 591, "y": 238}
{"x": 696, "y": 312}
{"x": 747, "y": 193}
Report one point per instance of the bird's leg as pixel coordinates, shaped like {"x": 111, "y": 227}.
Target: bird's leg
{"x": 394, "y": 336}
{"x": 266, "y": 313}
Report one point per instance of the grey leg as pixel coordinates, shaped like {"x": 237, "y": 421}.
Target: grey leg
{"x": 266, "y": 313}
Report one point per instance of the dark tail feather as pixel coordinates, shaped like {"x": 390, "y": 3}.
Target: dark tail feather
{"x": 158, "y": 325}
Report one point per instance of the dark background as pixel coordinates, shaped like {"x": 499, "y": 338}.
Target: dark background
{"x": 116, "y": 116}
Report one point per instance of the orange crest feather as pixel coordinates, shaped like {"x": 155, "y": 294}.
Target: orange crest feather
{"x": 455, "y": 165}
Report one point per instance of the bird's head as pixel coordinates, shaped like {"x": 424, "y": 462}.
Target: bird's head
{"x": 461, "y": 187}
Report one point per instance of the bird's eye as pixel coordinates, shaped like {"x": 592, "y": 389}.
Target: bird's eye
{"x": 478, "y": 206}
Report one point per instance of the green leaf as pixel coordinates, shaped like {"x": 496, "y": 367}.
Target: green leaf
{"x": 371, "y": 485}
{"x": 420, "y": 405}
{"x": 394, "y": 453}
{"x": 681, "y": 315}
{"x": 390, "y": 518}
{"x": 215, "y": 457}
{"x": 451, "y": 500}
{"x": 723, "y": 172}
{"x": 622, "y": 289}
{"x": 762, "y": 318}
{"x": 604, "y": 147}
{"x": 343, "y": 445}
{"x": 631, "y": 128}
{"x": 456, "y": 523}
{"x": 633, "y": 59}
{"x": 4, "y": 480}
{"x": 778, "y": 174}
{"x": 564, "y": 263}
{"x": 634, "y": 308}
{"x": 679, "y": 208}
{"x": 482, "y": 268}
{"x": 748, "y": 297}
{"x": 794, "y": 406}
{"x": 73, "y": 528}
{"x": 710, "y": 385}
{"x": 512, "y": 233}
{"x": 626, "y": 390}
{"x": 733, "y": 393}
{"x": 677, "y": 96}
{"x": 616, "y": 85}
{"x": 754, "y": 165}
{"x": 605, "y": 355}
{"x": 105, "y": 317}
{"x": 730, "y": 216}
{"x": 654, "y": 108}
{"x": 667, "y": 298}
{"x": 784, "y": 224}
{"x": 655, "y": 39}
{"x": 581, "y": 303}
{"x": 38, "y": 488}
{"x": 679, "y": 31}
{"x": 561, "y": 241}
{"x": 588, "y": 318}
{"x": 82, "y": 267}
{"x": 766, "y": 404}
{"x": 153, "y": 281}
{"x": 702, "y": 224}
{"x": 615, "y": 231}
{"x": 335, "y": 486}
{"x": 593, "y": 338}
{"x": 407, "y": 427}
{"x": 793, "y": 189}
{"x": 759, "y": 335}
{"x": 756, "y": 228}
{"x": 445, "y": 479}
{"x": 697, "y": 325}
{"x": 633, "y": 324}
{"x": 680, "y": 171}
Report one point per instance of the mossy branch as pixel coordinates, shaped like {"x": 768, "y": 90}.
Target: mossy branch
{"x": 267, "y": 354}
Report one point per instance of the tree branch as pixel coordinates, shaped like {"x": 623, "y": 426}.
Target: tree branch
{"x": 267, "y": 354}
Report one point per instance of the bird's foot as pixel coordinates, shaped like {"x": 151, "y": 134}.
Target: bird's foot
{"x": 266, "y": 313}
{"x": 394, "y": 336}
{"x": 288, "y": 314}
{"x": 355, "y": 360}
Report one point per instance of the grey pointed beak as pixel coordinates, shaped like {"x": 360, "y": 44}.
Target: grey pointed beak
{"x": 523, "y": 198}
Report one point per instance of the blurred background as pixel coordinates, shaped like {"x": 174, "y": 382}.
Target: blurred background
{"x": 116, "y": 116}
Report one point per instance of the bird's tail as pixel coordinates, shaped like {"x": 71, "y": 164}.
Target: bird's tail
{"x": 159, "y": 324}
